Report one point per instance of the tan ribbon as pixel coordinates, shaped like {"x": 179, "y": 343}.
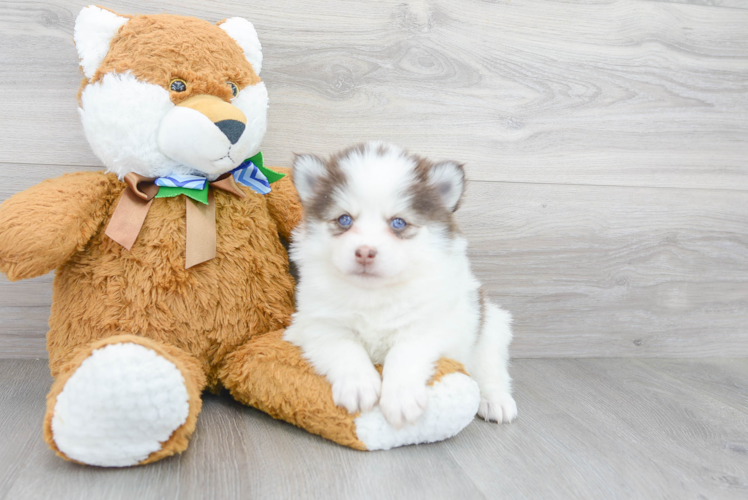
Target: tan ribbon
{"x": 132, "y": 208}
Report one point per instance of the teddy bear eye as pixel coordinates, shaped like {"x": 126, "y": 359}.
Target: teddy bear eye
{"x": 234, "y": 88}
{"x": 178, "y": 85}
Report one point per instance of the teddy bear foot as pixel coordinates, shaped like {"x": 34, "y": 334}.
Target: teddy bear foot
{"x": 271, "y": 375}
{"x": 119, "y": 406}
{"x": 452, "y": 404}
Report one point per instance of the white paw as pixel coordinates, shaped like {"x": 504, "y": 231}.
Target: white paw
{"x": 356, "y": 390}
{"x": 119, "y": 406}
{"x": 403, "y": 402}
{"x": 500, "y": 409}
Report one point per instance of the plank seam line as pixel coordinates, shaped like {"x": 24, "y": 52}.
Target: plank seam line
{"x": 682, "y": 5}
{"x": 677, "y": 188}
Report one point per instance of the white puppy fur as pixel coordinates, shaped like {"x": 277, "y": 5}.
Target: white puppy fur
{"x": 374, "y": 290}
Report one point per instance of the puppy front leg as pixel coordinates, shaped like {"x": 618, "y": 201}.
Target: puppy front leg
{"x": 407, "y": 369}
{"x": 335, "y": 354}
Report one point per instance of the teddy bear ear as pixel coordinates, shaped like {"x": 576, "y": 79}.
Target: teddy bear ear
{"x": 243, "y": 33}
{"x": 94, "y": 29}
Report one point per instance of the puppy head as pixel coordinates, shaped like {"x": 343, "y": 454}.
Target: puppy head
{"x": 375, "y": 214}
{"x": 169, "y": 94}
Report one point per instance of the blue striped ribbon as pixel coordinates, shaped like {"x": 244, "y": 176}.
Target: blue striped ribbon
{"x": 246, "y": 174}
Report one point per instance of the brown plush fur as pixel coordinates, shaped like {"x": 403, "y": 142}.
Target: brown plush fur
{"x": 102, "y": 291}
{"x": 65, "y": 213}
{"x": 271, "y": 375}
{"x": 212, "y": 320}
{"x": 198, "y": 52}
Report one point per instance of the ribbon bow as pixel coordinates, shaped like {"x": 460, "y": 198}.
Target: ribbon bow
{"x": 129, "y": 216}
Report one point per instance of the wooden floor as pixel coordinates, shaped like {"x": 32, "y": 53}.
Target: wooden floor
{"x": 592, "y": 428}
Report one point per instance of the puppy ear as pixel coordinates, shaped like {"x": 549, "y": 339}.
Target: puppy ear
{"x": 308, "y": 174}
{"x": 448, "y": 178}
{"x": 243, "y": 32}
{"x": 94, "y": 29}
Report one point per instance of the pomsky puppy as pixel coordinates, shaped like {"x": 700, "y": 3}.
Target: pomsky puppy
{"x": 385, "y": 278}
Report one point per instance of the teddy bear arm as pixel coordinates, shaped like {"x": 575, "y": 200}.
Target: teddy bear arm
{"x": 284, "y": 204}
{"x": 43, "y": 226}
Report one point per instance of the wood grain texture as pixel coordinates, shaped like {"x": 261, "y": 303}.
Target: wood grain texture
{"x": 607, "y": 142}
{"x": 587, "y": 429}
{"x": 616, "y": 429}
{"x": 583, "y": 272}
{"x": 612, "y": 92}
{"x": 614, "y": 271}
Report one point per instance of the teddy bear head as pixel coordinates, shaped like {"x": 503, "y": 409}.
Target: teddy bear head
{"x": 168, "y": 94}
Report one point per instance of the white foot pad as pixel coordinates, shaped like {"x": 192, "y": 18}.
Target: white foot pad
{"x": 119, "y": 406}
{"x": 453, "y": 403}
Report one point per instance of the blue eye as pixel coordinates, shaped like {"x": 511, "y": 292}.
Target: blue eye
{"x": 397, "y": 223}
{"x": 345, "y": 220}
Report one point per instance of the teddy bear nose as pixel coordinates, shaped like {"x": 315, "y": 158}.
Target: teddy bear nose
{"x": 233, "y": 129}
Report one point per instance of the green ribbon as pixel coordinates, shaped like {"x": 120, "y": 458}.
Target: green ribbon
{"x": 202, "y": 196}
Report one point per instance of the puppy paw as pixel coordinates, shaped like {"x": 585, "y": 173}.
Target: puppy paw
{"x": 403, "y": 402}
{"x": 356, "y": 391}
{"x": 499, "y": 409}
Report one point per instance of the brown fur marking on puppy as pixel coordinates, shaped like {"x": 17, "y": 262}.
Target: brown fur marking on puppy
{"x": 319, "y": 206}
{"x": 196, "y": 51}
{"x": 426, "y": 201}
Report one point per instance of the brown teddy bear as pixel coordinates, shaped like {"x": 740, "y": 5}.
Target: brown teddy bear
{"x": 170, "y": 273}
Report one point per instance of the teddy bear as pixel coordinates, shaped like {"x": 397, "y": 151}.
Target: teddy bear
{"x": 171, "y": 276}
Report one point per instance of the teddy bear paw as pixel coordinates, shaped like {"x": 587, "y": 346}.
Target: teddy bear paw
{"x": 121, "y": 404}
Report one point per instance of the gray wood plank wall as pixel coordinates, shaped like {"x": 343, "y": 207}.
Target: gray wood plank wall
{"x": 606, "y": 143}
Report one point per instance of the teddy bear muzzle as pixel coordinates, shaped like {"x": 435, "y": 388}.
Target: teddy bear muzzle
{"x": 204, "y": 132}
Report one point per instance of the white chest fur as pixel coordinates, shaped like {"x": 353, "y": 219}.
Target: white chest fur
{"x": 441, "y": 306}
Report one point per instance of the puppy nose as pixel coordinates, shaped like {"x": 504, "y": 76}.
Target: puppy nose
{"x": 365, "y": 255}
{"x": 233, "y": 129}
